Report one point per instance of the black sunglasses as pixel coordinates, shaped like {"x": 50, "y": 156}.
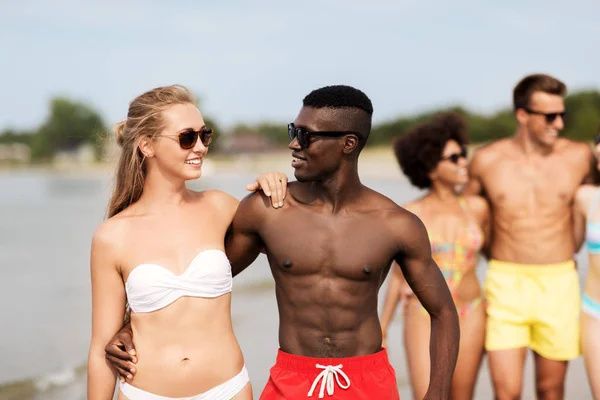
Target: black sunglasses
{"x": 550, "y": 117}
{"x": 597, "y": 140}
{"x": 454, "y": 157}
{"x": 304, "y": 135}
{"x": 189, "y": 137}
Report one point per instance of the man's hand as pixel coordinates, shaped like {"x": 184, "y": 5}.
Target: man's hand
{"x": 273, "y": 185}
{"x": 120, "y": 353}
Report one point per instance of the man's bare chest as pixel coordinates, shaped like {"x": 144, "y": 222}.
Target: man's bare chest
{"x": 355, "y": 248}
{"x": 543, "y": 185}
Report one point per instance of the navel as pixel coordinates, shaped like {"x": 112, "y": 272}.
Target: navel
{"x": 287, "y": 264}
{"x": 367, "y": 270}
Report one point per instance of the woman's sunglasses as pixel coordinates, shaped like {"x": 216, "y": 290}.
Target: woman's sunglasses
{"x": 189, "y": 137}
{"x": 303, "y": 135}
{"x": 550, "y": 117}
{"x": 454, "y": 157}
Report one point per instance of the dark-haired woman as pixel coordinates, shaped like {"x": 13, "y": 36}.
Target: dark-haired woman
{"x": 433, "y": 156}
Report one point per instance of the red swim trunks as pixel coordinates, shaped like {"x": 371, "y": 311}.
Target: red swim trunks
{"x": 368, "y": 377}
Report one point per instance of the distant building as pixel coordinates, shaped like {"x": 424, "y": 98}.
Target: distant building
{"x": 15, "y": 153}
{"x": 82, "y": 154}
{"x": 244, "y": 143}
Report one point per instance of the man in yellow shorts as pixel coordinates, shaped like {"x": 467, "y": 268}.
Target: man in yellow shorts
{"x": 532, "y": 286}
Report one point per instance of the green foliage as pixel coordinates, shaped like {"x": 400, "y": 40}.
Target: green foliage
{"x": 582, "y": 122}
{"x": 277, "y": 133}
{"x": 13, "y": 136}
{"x": 583, "y": 119}
{"x": 211, "y": 123}
{"x": 69, "y": 125}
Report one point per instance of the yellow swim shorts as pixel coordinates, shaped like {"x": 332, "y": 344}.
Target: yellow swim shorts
{"x": 534, "y": 306}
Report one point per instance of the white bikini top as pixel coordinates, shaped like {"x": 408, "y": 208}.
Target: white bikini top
{"x": 151, "y": 287}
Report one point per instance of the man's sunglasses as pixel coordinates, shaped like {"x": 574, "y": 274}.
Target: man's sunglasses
{"x": 454, "y": 157}
{"x": 189, "y": 137}
{"x": 550, "y": 117}
{"x": 303, "y": 135}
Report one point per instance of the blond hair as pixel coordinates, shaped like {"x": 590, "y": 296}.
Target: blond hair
{"x": 144, "y": 120}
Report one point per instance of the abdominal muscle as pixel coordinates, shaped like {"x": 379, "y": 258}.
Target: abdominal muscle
{"x": 186, "y": 348}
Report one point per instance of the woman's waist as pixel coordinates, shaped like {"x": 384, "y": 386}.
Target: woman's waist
{"x": 184, "y": 338}
{"x": 592, "y": 283}
{"x": 463, "y": 287}
{"x": 188, "y": 357}
{"x": 461, "y": 300}
{"x": 186, "y": 373}
{"x": 178, "y": 323}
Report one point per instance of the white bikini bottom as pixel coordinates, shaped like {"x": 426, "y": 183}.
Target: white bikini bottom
{"x": 224, "y": 391}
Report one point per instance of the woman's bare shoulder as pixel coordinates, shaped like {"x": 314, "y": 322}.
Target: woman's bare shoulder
{"x": 415, "y": 207}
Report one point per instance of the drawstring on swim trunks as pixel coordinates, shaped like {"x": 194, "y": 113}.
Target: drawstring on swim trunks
{"x": 326, "y": 378}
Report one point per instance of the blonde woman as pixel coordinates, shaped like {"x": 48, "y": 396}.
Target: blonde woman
{"x": 162, "y": 251}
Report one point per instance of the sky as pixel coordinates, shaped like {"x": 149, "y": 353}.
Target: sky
{"x": 255, "y": 61}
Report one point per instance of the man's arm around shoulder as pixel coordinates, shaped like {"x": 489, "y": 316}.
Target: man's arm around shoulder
{"x": 243, "y": 243}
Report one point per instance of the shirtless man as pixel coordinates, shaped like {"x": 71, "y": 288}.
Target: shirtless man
{"x": 532, "y": 286}
{"x": 330, "y": 248}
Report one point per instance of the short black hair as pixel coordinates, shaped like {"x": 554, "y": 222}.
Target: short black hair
{"x": 420, "y": 148}
{"x": 338, "y": 96}
{"x": 356, "y": 102}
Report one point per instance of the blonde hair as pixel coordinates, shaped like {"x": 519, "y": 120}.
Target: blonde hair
{"x": 144, "y": 120}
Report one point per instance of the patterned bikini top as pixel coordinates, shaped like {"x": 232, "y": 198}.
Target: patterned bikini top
{"x": 454, "y": 258}
{"x": 592, "y": 231}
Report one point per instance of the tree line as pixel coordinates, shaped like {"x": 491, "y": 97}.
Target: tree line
{"x": 71, "y": 123}
{"x": 581, "y": 123}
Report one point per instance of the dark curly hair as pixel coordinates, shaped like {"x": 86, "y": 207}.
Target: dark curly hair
{"x": 420, "y": 148}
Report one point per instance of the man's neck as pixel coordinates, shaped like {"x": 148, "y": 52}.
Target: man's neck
{"x": 523, "y": 141}
{"x": 339, "y": 190}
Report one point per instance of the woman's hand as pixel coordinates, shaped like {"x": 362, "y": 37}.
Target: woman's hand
{"x": 273, "y": 185}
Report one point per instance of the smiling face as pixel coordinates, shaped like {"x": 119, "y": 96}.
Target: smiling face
{"x": 167, "y": 154}
{"x": 542, "y": 118}
{"x": 452, "y": 168}
{"x": 324, "y": 154}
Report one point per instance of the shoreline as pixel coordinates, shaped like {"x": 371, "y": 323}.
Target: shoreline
{"x": 375, "y": 162}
